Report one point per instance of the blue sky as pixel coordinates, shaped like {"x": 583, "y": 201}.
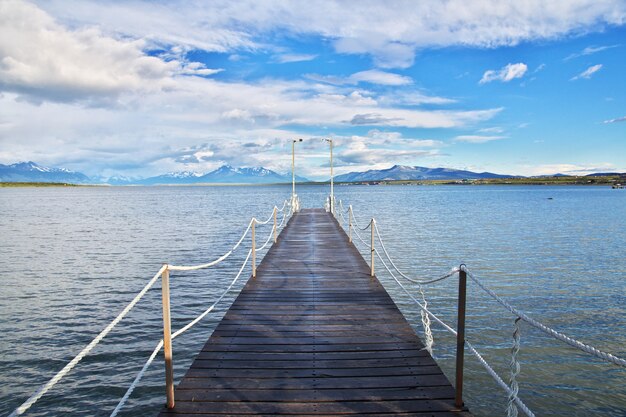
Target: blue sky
{"x": 138, "y": 88}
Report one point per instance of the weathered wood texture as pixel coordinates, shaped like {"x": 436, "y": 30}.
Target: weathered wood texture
{"x": 314, "y": 334}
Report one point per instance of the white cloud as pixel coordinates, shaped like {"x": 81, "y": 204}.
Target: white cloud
{"x": 383, "y": 148}
{"x": 413, "y": 98}
{"x": 477, "y": 138}
{"x": 589, "y": 51}
{"x": 369, "y": 76}
{"x": 197, "y": 68}
{"x": 380, "y": 77}
{"x": 357, "y": 98}
{"x": 238, "y": 114}
{"x": 287, "y": 58}
{"x": 494, "y": 129}
{"x": 567, "y": 169}
{"x": 144, "y": 132}
{"x": 505, "y": 74}
{"x": 59, "y": 64}
{"x": 616, "y": 120}
{"x": 391, "y": 35}
{"x": 588, "y": 72}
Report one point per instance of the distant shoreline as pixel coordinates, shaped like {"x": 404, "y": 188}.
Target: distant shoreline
{"x": 560, "y": 180}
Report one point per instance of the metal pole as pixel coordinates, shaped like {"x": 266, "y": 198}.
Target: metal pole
{"x": 350, "y": 224}
{"x": 372, "y": 227}
{"x": 293, "y": 169}
{"x": 275, "y": 210}
{"x": 293, "y": 174}
{"x": 167, "y": 338}
{"x": 332, "y": 192}
{"x": 460, "y": 338}
{"x": 253, "y": 248}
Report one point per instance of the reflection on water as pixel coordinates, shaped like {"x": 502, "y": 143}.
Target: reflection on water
{"x": 72, "y": 258}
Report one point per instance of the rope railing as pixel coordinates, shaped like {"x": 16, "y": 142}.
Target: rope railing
{"x": 159, "y": 346}
{"x": 163, "y": 273}
{"x": 548, "y": 330}
{"x": 514, "y": 402}
{"x": 67, "y": 368}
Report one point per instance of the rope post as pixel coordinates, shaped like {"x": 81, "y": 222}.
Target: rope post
{"x": 275, "y": 210}
{"x": 167, "y": 338}
{"x": 372, "y": 250}
{"x": 460, "y": 337}
{"x": 253, "y": 248}
{"x": 350, "y": 224}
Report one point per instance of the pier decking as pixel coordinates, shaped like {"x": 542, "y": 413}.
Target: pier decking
{"x": 314, "y": 334}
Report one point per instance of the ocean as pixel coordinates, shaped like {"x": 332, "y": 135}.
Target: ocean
{"x": 72, "y": 258}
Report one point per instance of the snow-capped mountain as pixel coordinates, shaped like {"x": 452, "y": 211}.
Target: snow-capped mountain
{"x": 120, "y": 180}
{"x": 32, "y": 172}
{"x": 255, "y": 175}
{"x": 403, "y": 172}
{"x": 179, "y": 177}
{"x": 225, "y": 174}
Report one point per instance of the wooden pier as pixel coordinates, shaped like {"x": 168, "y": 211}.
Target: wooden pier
{"x": 314, "y": 334}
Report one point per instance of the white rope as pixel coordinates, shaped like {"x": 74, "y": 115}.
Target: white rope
{"x": 423, "y": 307}
{"x": 56, "y": 378}
{"x": 356, "y": 231}
{"x": 499, "y": 380}
{"x": 452, "y": 272}
{"x": 46, "y": 387}
{"x": 156, "y": 350}
{"x": 471, "y": 348}
{"x": 283, "y": 207}
{"x": 361, "y": 228}
{"x": 361, "y": 239}
{"x": 266, "y": 221}
{"x": 140, "y": 375}
{"x": 230, "y": 252}
{"x": 208, "y": 310}
{"x": 557, "y": 335}
{"x": 514, "y": 366}
{"x": 269, "y": 237}
{"x": 285, "y": 215}
{"x": 343, "y": 218}
{"x": 215, "y": 262}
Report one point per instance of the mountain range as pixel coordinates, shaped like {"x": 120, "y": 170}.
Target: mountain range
{"x": 403, "y": 172}
{"x": 226, "y": 174}
{"x": 33, "y": 172}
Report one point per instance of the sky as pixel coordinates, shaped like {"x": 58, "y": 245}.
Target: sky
{"x": 137, "y": 88}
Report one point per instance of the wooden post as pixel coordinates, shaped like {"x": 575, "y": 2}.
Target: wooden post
{"x": 350, "y": 224}
{"x": 167, "y": 338}
{"x": 275, "y": 210}
{"x": 372, "y": 227}
{"x": 253, "y": 248}
{"x": 460, "y": 338}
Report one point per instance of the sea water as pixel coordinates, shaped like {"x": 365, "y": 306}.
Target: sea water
{"x": 72, "y": 258}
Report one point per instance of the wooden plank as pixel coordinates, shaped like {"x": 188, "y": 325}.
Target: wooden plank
{"x": 374, "y": 347}
{"x": 314, "y": 334}
{"x": 336, "y": 408}
{"x": 351, "y": 394}
{"x": 308, "y": 356}
{"x": 395, "y": 414}
{"x": 314, "y": 363}
{"x": 406, "y": 381}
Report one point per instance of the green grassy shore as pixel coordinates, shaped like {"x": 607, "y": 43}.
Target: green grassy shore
{"x": 559, "y": 180}
{"x": 608, "y": 180}
{"x": 37, "y": 184}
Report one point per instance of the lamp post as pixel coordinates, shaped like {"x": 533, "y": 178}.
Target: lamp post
{"x": 293, "y": 174}
{"x": 332, "y": 191}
